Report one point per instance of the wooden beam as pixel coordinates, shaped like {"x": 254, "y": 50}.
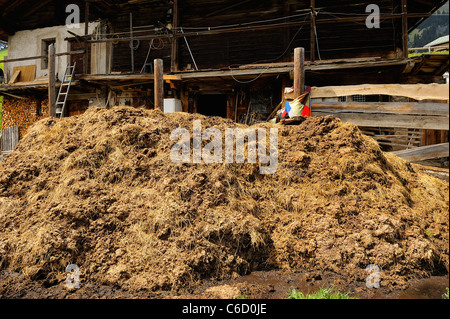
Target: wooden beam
{"x": 159, "y": 84}
{"x": 86, "y": 33}
{"x": 425, "y": 153}
{"x": 289, "y": 68}
{"x": 405, "y": 29}
{"x": 52, "y": 80}
{"x": 175, "y": 46}
{"x": 127, "y": 77}
{"x": 391, "y": 120}
{"x": 86, "y": 17}
{"x": 12, "y": 5}
{"x": 35, "y": 8}
{"x": 401, "y": 108}
{"x": 313, "y": 31}
{"x": 15, "y": 77}
{"x": 41, "y": 56}
{"x": 299, "y": 72}
{"x": 286, "y": 68}
{"x": 414, "y": 91}
{"x": 132, "y": 42}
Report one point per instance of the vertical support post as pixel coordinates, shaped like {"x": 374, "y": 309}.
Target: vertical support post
{"x": 132, "y": 42}
{"x": 286, "y": 31}
{"x": 159, "y": 84}
{"x": 86, "y": 32}
{"x": 405, "y": 29}
{"x": 313, "y": 30}
{"x": 299, "y": 72}
{"x": 52, "y": 80}
{"x": 86, "y": 17}
{"x": 175, "y": 47}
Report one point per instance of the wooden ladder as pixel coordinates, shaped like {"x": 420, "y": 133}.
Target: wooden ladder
{"x": 64, "y": 89}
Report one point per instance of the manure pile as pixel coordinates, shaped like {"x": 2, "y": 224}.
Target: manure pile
{"x": 100, "y": 191}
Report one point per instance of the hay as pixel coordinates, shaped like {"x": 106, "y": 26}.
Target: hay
{"x": 99, "y": 190}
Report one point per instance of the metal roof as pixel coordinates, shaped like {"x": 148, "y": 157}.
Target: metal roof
{"x": 440, "y": 41}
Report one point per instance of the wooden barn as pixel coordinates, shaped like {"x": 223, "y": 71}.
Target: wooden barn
{"x": 227, "y": 58}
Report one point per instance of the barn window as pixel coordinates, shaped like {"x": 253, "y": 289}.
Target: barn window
{"x": 45, "y": 44}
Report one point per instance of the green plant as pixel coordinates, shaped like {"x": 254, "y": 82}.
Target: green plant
{"x": 329, "y": 293}
{"x": 430, "y": 234}
{"x": 446, "y": 295}
{"x": 416, "y": 54}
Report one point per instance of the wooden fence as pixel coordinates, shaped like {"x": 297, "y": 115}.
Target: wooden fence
{"x": 10, "y": 139}
{"x": 412, "y": 115}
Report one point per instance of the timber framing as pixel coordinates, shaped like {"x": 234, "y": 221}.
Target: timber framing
{"x": 425, "y": 153}
{"x": 241, "y": 55}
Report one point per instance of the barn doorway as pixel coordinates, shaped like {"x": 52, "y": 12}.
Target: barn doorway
{"x": 212, "y": 105}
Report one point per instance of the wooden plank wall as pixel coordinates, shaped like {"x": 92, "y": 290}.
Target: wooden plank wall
{"x": 10, "y": 139}
{"x": 79, "y": 59}
{"x": 336, "y": 40}
{"x": 121, "y": 51}
{"x": 396, "y": 126}
{"x": 423, "y": 116}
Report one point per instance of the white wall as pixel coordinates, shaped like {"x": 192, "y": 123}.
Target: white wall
{"x": 29, "y": 43}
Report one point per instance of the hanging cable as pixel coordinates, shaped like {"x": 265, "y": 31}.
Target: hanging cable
{"x": 190, "y": 51}
{"x": 212, "y": 28}
{"x": 317, "y": 43}
{"x": 250, "y": 81}
{"x": 148, "y": 55}
{"x": 270, "y": 61}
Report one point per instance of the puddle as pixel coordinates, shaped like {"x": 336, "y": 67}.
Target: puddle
{"x": 431, "y": 288}
{"x": 280, "y": 284}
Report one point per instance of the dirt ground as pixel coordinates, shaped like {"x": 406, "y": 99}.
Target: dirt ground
{"x": 100, "y": 191}
{"x": 261, "y": 285}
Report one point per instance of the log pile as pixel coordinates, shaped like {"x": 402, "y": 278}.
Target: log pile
{"x": 23, "y": 113}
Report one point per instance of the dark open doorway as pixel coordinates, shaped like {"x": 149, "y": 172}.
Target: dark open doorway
{"x": 212, "y": 105}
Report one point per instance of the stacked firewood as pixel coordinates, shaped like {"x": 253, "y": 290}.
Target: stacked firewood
{"x": 23, "y": 113}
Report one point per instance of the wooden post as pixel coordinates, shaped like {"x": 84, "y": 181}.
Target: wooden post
{"x": 52, "y": 80}
{"x": 132, "y": 42}
{"x": 405, "y": 29}
{"x": 86, "y": 32}
{"x": 287, "y": 31}
{"x": 159, "y": 84}
{"x": 174, "y": 55}
{"x": 299, "y": 72}
{"x": 313, "y": 30}
{"x": 86, "y": 17}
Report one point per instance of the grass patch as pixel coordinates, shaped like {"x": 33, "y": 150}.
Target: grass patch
{"x": 446, "y": 295}
{"x": 413, "y": 55}
{"x": 329, "y": 293}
